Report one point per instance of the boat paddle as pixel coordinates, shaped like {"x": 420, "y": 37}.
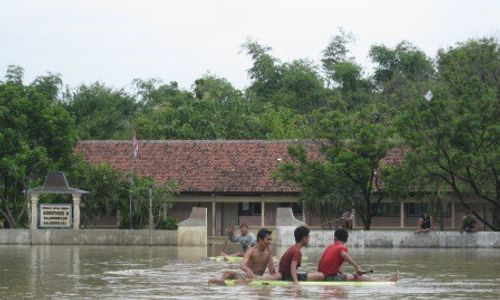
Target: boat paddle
{"x": 364, "y": 273}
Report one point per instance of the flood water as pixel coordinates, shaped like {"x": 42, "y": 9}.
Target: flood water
{"x": 68, "y": 272}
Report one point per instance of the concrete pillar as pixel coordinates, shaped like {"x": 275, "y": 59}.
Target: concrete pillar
{"x": 304, "y": 213}
{"x": 262, "y": 213}
{"x": 353, "y": 218}
{"x": 76, "y": 210}
{"x": 402, "y": 214}
{"x": 213, "y": 217}
{"x": 285, "y": 226}
{"x": 34, "y": 211}
{"x": 284, "y": 217}
{"x": 193, "y": 231}
{"x": 452, "y": 215}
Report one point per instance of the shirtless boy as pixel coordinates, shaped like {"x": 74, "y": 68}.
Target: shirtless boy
{"x": 255, "y": 262}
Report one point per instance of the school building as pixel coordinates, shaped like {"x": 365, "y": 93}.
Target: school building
{"x": 233, "y": 180}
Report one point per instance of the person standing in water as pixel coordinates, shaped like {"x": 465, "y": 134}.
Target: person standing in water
{"x": 246, "y": 239}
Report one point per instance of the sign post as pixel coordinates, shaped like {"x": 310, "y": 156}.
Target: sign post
{"x": 55, "y": 216}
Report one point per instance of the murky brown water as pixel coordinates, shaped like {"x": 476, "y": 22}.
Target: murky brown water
{"x": 66, "y": 272}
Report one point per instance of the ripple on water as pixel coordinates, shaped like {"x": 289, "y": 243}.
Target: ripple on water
{"x": 164, "y": 272}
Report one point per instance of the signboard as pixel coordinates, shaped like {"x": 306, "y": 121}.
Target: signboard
{"x": 55, "y": 215}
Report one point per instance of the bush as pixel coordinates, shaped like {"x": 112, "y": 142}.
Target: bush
{"x": 168, "y": 223}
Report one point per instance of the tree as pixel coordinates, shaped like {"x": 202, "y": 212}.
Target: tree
{"x": 401, "y": 73}
{"x": 265, "y": 71}
{"x": 231, "y": 115}
{"x": 296, "y": 85}
{"x": 339, "y": 67}
{"x": 108, "y": 189}
{"x": 455, "y": 136}
{"x": 152, "y": 94}
{"x": 344, "y": 75}
{"x": 217, "y": 110}
{"x": 36, "y": 132}
{"x": 101, "y": 112}
{"x": 283, "y": 124}
{"x": 350, "y": 173}
{"x": 162, "y": 198}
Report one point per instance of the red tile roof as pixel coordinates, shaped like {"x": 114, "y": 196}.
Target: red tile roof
{"x": 216, "y": 166}
{"x": 394, "y": 157}
{"x": 200, "y": 166}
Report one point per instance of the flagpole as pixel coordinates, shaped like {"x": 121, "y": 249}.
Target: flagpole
{"x": 132, "y": 180}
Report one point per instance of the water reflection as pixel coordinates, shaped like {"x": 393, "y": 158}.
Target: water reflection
{"x": 66, "y": 272}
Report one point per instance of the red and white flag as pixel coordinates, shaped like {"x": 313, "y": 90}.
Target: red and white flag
{"x": 135, "y": 144}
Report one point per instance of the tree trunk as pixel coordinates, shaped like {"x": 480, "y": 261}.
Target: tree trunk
{"x": 367, "y": 223}
{"x": 441, "y": 215}
{"x": 459, "y": 195}
{"x": 7, "y": 213}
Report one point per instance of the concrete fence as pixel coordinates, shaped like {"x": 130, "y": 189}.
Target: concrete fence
{"x": 395, "y": 239}
{"x": 386, "y": 239}
{"x": 191, "y": 232}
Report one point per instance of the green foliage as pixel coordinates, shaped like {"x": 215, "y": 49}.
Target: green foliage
{"x": 336, "y": 51}
{"x": 353, "y": 146}
{"x": 216, "y": 111}
{"x": 283, "y": 124}
{"x": 108, "y": 189}
{"x": 35, "y": 131}
{"x": 162, "y": 199}
{"x": 451, "y": 141}
{"x": 296, "y": 85}
{"x": 402, "y": 73}
{"x": 340, "y": 69}
{"x": 101, "y": 112}
{"x": 168, "y": 223}
{"x": 455, "y": 136}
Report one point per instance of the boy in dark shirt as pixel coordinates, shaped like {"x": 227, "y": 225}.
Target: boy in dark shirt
{"x": 291, "y": 260}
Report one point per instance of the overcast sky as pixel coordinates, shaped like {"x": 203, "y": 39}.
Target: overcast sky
{"x": 117, "y": 41}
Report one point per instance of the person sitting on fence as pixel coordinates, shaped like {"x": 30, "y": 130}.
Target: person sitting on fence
{"x": 424, "y": 223}
{"x": 347, "y": 219}
{"x": 246, "y": 239}
{"x": 468, "y": 222}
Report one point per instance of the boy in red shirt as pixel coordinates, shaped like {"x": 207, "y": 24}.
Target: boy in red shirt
{"x": 333, "y": 257}
{"x": 291, "y": 260}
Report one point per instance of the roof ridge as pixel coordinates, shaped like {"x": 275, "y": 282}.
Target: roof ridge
{"x": 193, "y": 141}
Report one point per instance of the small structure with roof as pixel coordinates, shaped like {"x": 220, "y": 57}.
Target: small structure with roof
{"x": 55, "y": 183}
